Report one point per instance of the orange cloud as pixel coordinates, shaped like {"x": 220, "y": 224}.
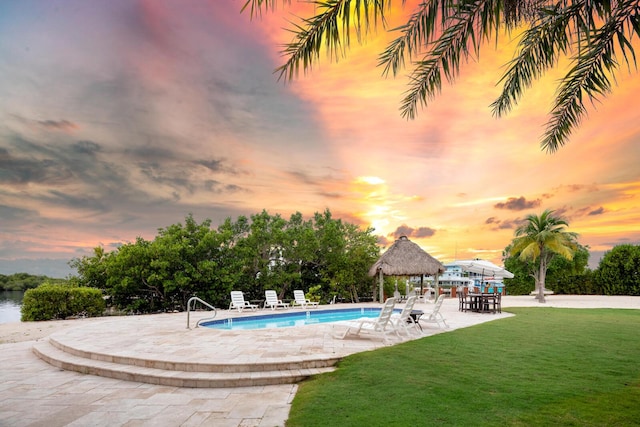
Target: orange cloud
{"x": 59, "y": 125}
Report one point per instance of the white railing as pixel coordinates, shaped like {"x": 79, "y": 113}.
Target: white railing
{"x": 194, "y": 300}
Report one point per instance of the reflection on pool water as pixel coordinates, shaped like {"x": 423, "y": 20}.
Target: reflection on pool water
{"x": 298, "y": 318}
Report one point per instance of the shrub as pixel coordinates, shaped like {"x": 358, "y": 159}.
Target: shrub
{"x": 519, "y": 286}
{"x": 50, "y": 301}
{"x": 619, "y": 271}
{"x": 314, "y": 293}
{"x": 581, "y": 284}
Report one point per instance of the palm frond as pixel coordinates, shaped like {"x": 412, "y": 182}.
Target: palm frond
{"x": 518, "y": 11}
{"x": 596, "y": 32}
{"x": 329, "y": 29}
{"x": 256, "y": 6}
{"x": 589, "y": 75}
{"x": 562, "y": 243}
{"x": 519, "y": 244}
{"x": 543, "y": 237}
{"x": 531, "y": 251}
{"x": 416, "y": 34}
{"x": 538, "y": 50}
{"x": 458, "y": 37}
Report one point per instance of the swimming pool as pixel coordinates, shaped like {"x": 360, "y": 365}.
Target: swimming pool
{"x": 297, "y": 318}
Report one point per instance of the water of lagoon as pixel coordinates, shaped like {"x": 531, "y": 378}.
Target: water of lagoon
{"x": 10, "y": 303}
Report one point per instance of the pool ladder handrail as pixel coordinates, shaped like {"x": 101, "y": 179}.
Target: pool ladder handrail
{"x": 194, "y": 300}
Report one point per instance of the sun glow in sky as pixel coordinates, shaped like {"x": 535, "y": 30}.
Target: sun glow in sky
{"x": 122, "y": 117}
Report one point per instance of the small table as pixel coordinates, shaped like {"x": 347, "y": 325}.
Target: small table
{"x": 415, "y": 316}
{"x": 258, "y": 302}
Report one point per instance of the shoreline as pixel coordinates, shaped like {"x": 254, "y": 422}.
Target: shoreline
{"x": 15, "y": 332}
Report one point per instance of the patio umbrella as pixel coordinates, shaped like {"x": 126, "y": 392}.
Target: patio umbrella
{"x": 405, "y": 258}
{"x": 484, "y": 268}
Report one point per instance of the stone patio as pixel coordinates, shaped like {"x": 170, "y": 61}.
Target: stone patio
{"x": 35, "y": 393}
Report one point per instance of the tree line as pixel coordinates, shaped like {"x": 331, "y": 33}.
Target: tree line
{"x": 618, "y": 273}
{"x": 24, "y": 281}
{"x": 543, "y": 255}
{"x": 324, "y": 256}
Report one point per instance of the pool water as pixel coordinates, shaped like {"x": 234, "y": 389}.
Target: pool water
{"x": 298, "y": 318}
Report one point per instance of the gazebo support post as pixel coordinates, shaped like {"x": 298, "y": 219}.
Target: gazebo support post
{"x": 381, "y": 286}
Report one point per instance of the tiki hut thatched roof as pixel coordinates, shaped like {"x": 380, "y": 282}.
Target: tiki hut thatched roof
{"x": 405, "y": 258}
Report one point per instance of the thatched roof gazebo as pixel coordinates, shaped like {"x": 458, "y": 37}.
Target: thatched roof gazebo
{"x": 405, "y": 258}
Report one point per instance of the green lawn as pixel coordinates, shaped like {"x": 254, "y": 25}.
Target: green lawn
{"x": 543, "y": 367}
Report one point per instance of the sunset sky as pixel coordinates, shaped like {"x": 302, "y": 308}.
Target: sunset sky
{"x": 121, "y": 117}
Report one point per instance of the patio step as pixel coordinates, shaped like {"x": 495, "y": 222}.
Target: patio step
{"x": 180, "y": 374}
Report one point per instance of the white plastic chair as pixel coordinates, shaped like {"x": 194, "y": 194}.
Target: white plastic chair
{"x": 435, "y": 316}
{"x": 426, "y": 295}
{"x": 402, "y": 320}
{"x": 238, "y": 302}
{"x": 301, "y": 300}
{"x": 272, "y": 301}
{"x": 379, "y": 327}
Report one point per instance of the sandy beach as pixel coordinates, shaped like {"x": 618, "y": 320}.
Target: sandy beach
{"x": 31, "y": 331}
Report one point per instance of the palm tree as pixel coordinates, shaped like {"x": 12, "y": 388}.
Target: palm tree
{"x": 538, "y": 240}
{"x": 594, "y": 34}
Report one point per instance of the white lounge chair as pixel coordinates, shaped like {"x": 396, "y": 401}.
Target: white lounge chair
{"x": 401, "y": 321}
{"x": 301, "y": 300}
{"x": 379, "y": 327}
{"x": 435, "y": 316}
{"x": 272, "y": 301}
{"x": 238, "y": 302}
{"x": 426, "y": 295}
